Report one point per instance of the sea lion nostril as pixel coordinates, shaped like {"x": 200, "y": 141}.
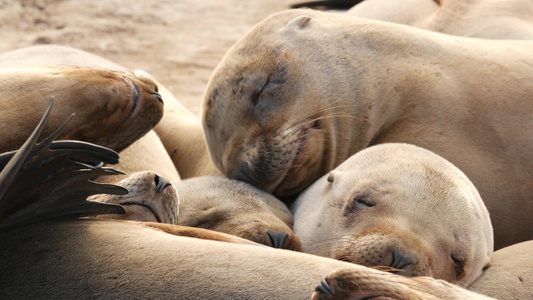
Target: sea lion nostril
{"x": 277, "y": 238}
{"x": 156, "y": 179}
{"x": 158, "y": 96}
{"x": 400, "y": 260}
{"x": 160, "y": 183}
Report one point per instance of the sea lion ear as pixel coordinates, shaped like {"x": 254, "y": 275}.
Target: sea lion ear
{"x": 298, "y": 23}
{"x": 333, "y": 174}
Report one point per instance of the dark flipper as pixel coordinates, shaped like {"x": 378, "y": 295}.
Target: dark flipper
{"x": 52, "y": 179}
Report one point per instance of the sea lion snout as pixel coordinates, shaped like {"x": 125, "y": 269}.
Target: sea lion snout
{"x": 385, "y": 250}
{"x": 151, "y": 198}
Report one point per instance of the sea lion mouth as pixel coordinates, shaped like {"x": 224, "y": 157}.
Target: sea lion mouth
{"x": 148, "y": 207}
{"x": 290, "y": 182}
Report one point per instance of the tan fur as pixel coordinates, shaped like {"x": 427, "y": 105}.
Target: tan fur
{"x": 150, "y": 198}
{"x": 182, "y": 135}
{"x": 236, "y": 208}
{"x": 147, "y": 153}
{"x": 394, "y": 197}
{"x": 289, "y": 103}
{"x": 510, "y": 275}
{"x": 129, "y": 260}
{"x": 358, "y": 284}
{"x": 492, "y": 19}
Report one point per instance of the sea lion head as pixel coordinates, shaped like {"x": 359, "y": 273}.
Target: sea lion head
{"x": 269, "y": 118}
{"x": 399, "y": 206}
{"x": 150, "y": 198}
{"x": 113, "y": 108}
{"x": 237, "y": 208}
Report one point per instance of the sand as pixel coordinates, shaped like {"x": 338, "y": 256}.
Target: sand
{"x": 180, "y": 42}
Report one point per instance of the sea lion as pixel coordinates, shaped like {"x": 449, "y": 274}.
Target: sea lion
{"x": 509, "y": 275}
{"x": 400, "y": 206}
{"x": 237, "y": 208}
{"x": 490, "y": 19}
{"x": 358, "y": 284}
{"x": 85, "y": 259}
{"x": 151, "y": 198}
{"x": 114, "y": 108}
{"x": 54, "y": 252}
{"x": 304, "y": 90}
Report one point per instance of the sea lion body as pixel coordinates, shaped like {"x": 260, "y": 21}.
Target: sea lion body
{"x": 182, "y": 135}
{"x": 400, "y": 206}
{"x": 304, "y": 90}
{"x": 509, "y": 275}
{"x": 489, "y": 19}
{"x": 85, "y": 259}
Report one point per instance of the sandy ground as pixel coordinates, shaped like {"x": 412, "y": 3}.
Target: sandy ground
{"x": 180, "y": 42}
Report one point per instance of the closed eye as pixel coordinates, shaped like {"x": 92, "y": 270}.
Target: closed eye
{"x": 359, "y": 202}
{"x": 364, "y": 200}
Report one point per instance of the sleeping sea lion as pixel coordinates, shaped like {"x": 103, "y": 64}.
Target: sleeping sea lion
{"x": 400, "y": 206}
{"x": 235, "y": 207}
{"x": 114, "y": 108}
{"x": 489, "y": 19}
{"x": 304, "y": 90}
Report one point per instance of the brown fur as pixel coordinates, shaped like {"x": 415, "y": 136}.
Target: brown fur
{"x": 304, "y": 90}
{"x": 398, "y": 197}
{"x": 108, "y": 117}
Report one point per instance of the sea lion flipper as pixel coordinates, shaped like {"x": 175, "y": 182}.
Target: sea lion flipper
{"x": 86, "y": 152}
{"x": 15, "y": 163}
{"x": 52, "y": 180}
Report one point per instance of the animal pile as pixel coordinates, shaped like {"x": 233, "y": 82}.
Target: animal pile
{"x": 381, "y": 152}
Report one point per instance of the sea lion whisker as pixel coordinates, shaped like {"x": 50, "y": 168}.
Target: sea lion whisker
{"x": 319, "y": 111}
{"x": 298, "y": 126}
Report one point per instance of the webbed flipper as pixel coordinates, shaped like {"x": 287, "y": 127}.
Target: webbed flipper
{"x": 52, "y": 179}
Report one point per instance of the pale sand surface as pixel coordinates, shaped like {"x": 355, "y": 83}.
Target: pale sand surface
{"x": 180, "y": 42}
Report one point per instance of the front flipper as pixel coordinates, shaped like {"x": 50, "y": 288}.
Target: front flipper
{"x": 51, "y": 179}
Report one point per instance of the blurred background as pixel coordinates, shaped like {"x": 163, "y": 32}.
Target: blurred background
{"x": 180, "y": 42}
